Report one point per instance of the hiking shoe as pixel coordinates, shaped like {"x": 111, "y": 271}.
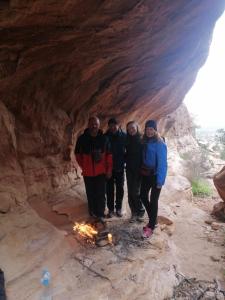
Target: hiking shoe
{"x": 132, "y": 219}
{"x": 147, "y": 232}
{"x": 119, "y": 213}
{"x": 110, "y": 214}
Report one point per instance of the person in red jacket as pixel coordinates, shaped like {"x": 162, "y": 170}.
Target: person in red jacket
{"x": 94, "y": 157}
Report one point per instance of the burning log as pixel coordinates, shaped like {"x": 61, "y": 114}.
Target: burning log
{"x": 86, "y": 231}
{"x": 92, "y": 235}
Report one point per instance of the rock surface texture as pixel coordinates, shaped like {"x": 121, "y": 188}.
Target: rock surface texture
{"x": 63, "y": 61}
{"x": 60, "y": 62}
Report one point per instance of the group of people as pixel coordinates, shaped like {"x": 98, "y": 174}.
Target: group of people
{"x": 105, "y": 157}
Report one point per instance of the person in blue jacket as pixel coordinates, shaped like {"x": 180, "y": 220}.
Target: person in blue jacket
{"x": 153, "y": 173}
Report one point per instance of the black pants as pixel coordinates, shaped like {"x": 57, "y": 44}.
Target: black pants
{"x": 117, "y": 180}
{"x": 95, "y": 190}
{"x": 133, "y": 187}
{"x": 147, "y": 183}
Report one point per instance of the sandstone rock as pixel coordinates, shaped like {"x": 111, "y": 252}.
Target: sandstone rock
{"x": 219, "y": 296}
{"x": 219, "y": 182}
{"x": 163, "y": 227}
{"x": 216, "y": 226}
{"x": 170, "y": 230}
{"x": 209, "y": 296}
{"x": 108, "y": 58}
{"x": 159, "y": 241}
{"x": 107, "y": 61}
{"x": 214, "y": 258}
{"x": 219, "y": 211}
{"x": 209, "y": 222}
{"x": 164, "y": 220}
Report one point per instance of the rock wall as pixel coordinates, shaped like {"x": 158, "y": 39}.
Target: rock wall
{"x": 61, "y": 62}
{"x": 179, "y": 130}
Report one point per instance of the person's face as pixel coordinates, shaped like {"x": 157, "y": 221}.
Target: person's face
{"x": 150, "y": 132}
{"x": 132, "y": 129}
{"x": 94, "y": 125}
{"x": 113, "y": 128}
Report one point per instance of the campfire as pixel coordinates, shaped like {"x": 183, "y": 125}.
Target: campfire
{"x": 90, "y": 234}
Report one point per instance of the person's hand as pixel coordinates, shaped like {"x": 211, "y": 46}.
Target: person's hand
{"x": 108, "y": 175}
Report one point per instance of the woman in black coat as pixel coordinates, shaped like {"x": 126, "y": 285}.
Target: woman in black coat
{"x": 133, "y": 165}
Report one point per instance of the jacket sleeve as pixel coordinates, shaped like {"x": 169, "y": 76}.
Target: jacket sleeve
{"x": 108, "y": 155}
{"x": 78, "y": 152}
{"x": 161, "y": 169}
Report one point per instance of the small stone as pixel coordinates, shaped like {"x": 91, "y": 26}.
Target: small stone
{"x": 163, "y": 220}
{"x": 102, "y": 243}
{"x": 214, "y": 258}
{"x": 170, "y": 230}
{"x": 219, "y": 296}
{"x": 163, "y": 227}
{"x": 215, "y": 226}
{"x": 88, "y": 262}
{"x": 158, "y": 242}
{"x": 209, "y": 222}
{"x": 209, "y": 296}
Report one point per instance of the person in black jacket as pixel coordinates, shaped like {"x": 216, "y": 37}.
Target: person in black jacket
{"x": 133, "y": 166}
{"x": 117, "y": 140}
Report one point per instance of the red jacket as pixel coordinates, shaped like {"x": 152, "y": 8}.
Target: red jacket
{"x": 93, "y": 154}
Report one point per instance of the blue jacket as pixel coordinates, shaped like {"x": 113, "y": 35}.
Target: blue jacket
{"x": 155, "y": 157}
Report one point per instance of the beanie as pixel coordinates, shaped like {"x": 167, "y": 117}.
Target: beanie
{"x": 152, "y": 124}
{"x": 112, "y": 121}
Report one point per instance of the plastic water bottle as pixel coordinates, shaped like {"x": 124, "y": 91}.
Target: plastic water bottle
{"x": 45, "y": 281}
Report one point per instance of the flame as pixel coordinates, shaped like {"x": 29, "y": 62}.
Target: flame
{"x": 110, "y": 238}
{"x": 85, "y": 230}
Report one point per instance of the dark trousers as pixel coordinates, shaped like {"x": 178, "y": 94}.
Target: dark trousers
{"x": 117, "y": 180}
{"x": 133, "y": 187}
{"x": 147, "y": 183}
{"x": 95, "y": 190}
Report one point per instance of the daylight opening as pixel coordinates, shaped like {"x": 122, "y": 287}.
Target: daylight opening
{"x": 205, "y": 100}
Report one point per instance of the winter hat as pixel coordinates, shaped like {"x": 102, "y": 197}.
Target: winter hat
{"x": 112, "y": 121}
{"x": 152, "y": 124}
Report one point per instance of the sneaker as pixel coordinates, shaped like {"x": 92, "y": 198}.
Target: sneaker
{"x": 147, "y": 232}
{"x": 119, "y": 213}
{"x": 145, "y": 227}
{"x": 132, "y": 219}
{"x": 110, "y": 214}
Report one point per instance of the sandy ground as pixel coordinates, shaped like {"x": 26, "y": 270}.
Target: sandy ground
{"x": 198, "y": 248}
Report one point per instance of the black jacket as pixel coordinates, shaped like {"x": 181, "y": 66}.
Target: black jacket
{"x": 133, "y": 153}
{"x": 118, "y": 147}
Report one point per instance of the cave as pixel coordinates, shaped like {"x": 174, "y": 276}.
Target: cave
{"x": 60, "y": 63}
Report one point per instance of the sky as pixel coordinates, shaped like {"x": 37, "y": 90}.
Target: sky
{"x": 206, "y": 99}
